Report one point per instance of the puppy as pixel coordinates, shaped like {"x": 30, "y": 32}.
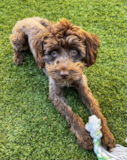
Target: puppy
{"x": 62, "y": 51}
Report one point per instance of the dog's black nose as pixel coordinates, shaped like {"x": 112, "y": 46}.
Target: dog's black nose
{"x": 64, "y": 74}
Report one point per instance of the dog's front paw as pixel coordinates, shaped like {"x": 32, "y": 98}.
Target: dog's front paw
{"x": 108, "y": 140}
{"x": 85, "y": 141}
{"x": 83, "y": 136}
{"x": 19, "y": 59}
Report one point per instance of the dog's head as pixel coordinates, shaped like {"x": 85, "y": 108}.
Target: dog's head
{"x": 67, "y": 49}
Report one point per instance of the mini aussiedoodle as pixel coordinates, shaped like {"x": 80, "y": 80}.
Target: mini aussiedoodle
{"x": 62, "y": 50}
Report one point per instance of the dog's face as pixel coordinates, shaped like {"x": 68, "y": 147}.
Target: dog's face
{"x": 67, "y": 49}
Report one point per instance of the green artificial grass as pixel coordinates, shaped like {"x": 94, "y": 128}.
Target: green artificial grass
{"x": 24, "y": 92}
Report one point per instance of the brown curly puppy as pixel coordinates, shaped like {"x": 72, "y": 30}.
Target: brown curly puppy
{"x": 62, "y": 51}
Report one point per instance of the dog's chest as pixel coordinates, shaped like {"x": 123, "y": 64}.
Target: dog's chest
{"x": 65, "y": 83}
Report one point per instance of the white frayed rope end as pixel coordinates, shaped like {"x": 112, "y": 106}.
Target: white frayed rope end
{"x": 117, "y": 153}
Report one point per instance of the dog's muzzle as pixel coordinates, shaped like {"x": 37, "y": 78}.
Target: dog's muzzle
{"x": 65, "y": 69}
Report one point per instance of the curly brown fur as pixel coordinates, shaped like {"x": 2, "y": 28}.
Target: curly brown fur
{"x": 62, "y": 51}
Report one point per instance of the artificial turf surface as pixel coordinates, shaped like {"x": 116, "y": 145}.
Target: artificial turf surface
{"x": 24, "y": 102}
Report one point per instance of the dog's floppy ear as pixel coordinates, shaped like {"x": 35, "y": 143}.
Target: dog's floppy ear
{"x": 38, "y": 46}
{"x": 92, "y": 43}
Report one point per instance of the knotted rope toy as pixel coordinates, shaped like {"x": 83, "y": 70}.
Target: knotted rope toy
{"x": 118, "y": 153}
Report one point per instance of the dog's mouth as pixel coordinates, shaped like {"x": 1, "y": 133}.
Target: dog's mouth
{"x": 66, "y": 71}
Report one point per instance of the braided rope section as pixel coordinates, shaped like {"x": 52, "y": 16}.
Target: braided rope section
{"x": 117, "y": 153}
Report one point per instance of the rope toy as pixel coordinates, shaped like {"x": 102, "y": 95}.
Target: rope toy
{"x": 118, "y": 153}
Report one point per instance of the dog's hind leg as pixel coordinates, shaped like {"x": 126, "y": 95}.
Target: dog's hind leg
{"x": 19, "y": 43}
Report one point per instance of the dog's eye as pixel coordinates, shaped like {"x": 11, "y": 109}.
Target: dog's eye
{"x": 54, "y": 53}
{"x": 73, "y": 52}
